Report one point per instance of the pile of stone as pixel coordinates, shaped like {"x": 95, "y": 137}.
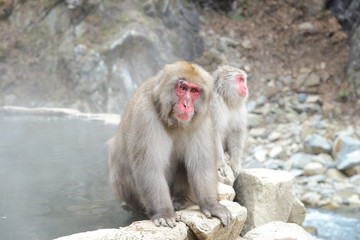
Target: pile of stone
{"x": 267, "y": 210}
{"x": 324, "y": 157}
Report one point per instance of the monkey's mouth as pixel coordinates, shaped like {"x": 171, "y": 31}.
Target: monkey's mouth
{"x": 243, "y": 94}
{"x": 183, "y": 116}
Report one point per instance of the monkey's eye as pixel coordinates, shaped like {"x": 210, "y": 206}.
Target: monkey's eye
{"x": 182, "y": 88}
{"x": 194, "y": 90}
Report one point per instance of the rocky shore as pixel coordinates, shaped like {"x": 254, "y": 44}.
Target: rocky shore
{"x": 267, "y": 210}
{"x": 314, "y": 163}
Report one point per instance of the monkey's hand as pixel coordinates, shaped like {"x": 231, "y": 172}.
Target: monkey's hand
{"x": 220, "y": 212}
{"x": 236, "y": 167}
{"x": 166, "y": 218}
{"x": 221, "y": 167}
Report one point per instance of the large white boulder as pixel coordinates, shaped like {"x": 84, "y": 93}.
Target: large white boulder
{"x": 278, "y": 230}
{"x": 137, "y": 230}
{"x": 212, "y": 228}
{"x": 266, "y": 194}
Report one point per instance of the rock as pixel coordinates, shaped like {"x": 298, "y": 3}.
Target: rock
{"x": 275, "y": 152}
{"x": 212, "y": 228}
{"x": 315, "y": 179}
{"x": 315, "y": 144}
{"x": 278, "y": 231}
{"x": 349, "y": 160}
{"x": 324, "y": 76}
{"x": 306, "y": 26}
{"x": 274, "y": 164}
{"x": 306, "y": 130}
{"x": 312, "y": 80}
{"x": 260, "y": 155}
{"x": 265, "y": 109}
{"x": 105, "y": 234}
{"x": 310, "y": 198}
{"x": 287, "y": 79}
{"x": 307, "y": 108}
{"x": 274, "y": 136}
{"x": 352, "y": 171}
{"x": 137, "y": 230}
{"x": 314, "y": 99}
{"x": 305, "y": 70}
{"x": 257, "y": 132}
{"x": 300, "y": 79}
{"x": 331, "y": 204}
{"x": 354, "y": 200}
{"x": 298, "y": 212}
{"x": 355, "y": 180}
{"x": 271, "y": 199}
{"x": 254, "y": 120}
{"x": 346, "y": 192}
{"x": 246, "y": 43}
{"x": 343, "y": 146}
{"x": 335, "y": 174}
{"x": 300, "y": 160}
{"x": 326, "y": 159}
{"x": 225, "y": 192}
{"x": 353, "y": 68}
{"x": 251, "y": 105}
{"x": 301, "y": 97}
{"x": 313, "y": 168}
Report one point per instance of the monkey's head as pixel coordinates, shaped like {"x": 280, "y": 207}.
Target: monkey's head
{"x": 231, "y": 84}
{"x": 182, "y": 92}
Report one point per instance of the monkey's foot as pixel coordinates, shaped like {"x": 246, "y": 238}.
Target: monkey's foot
{"x": 220, "y": 212}
{"x": 181, "y": 203}
{"x": 167, "y": 219}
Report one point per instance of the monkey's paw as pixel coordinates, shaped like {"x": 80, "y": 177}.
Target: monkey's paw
{"x": 236, "y": 169}
{"x": 221, "y": 167}
{"x": 165, "y": 219}
{"x": 227, "y": 177}
{"x": 220, "y": 212}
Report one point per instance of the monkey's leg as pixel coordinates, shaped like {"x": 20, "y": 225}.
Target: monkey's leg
{"x": 236, "y": 144}
{"x": 180, "y": 190}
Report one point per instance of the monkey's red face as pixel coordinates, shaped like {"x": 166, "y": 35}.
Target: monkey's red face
{"x": 240, "y": 80}
{"x": 187, "y": 93}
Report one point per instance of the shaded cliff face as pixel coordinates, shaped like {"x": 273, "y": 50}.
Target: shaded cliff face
{"x": 90, "y": 54}
{"x": 348, "y": 14}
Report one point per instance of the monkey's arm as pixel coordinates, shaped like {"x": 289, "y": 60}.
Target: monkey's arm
{"x": 219, "y": 149}
{"x": 219, "y": 154}
{"x": 237, "y": 141}
{"x": 150, "y": 150}
{"x": 202, "y": 176}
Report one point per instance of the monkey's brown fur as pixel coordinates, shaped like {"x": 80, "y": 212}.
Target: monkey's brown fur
{"x": 229, "y": 116}
{"x": 159, "y": 163}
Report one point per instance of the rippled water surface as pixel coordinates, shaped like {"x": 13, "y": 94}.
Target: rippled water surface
{"x": 344, "y": 225}
{"x": 54, "y": 179}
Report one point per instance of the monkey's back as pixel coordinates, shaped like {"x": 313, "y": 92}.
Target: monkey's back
{"x": 130, "y": 135}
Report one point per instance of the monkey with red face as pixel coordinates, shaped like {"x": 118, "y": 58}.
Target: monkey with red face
{"x": 229, "y": 115}
{"x": 162, "y": 157}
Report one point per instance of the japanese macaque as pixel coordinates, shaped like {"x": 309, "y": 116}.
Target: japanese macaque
{"x": 229, "y": 115}
{"x": 163, "y": 157}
